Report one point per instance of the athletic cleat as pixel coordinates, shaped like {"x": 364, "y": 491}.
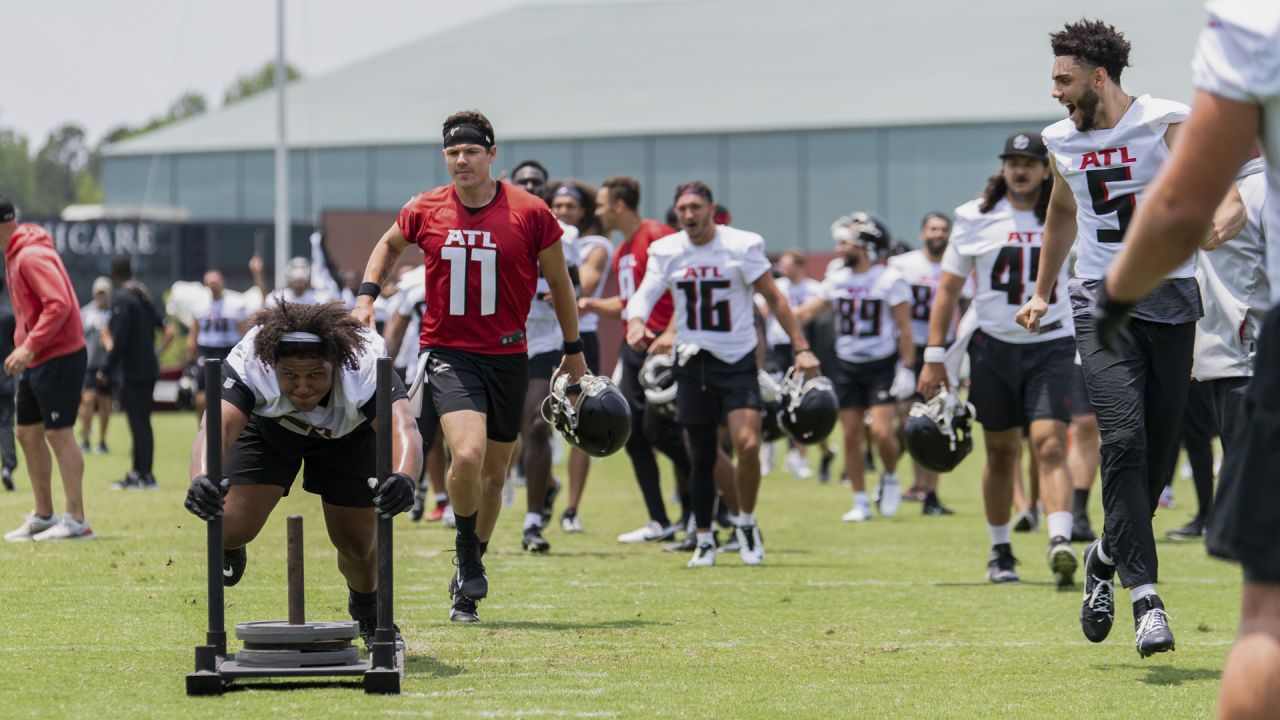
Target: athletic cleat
{"x": 84, "y": 446}
{"x": 233, "y": 564}
{"x": 890, "y": 495}
{"x": 932, "y": 506}
{"x": 1151, "y": 627}
{"x": 1193, "y": 530}
{"x": 33, "y": 525}
{"x": 464, "y": 610}
{"x": 731, "y": 543}
{"x": 824, "y": 467}
{"x": 470, "y": 579}
{"x": 570, "y": 523}
{"x": 419, "y": 504}
{"x": 1081, "y": 530}
{"x": 688, "y": 544}
{"x": 703, "y": 556}
{"x": 6, "y": 476}
{"x": 1062, "y": 561}
{"x": 135, "y": 480}
{"x": 549, "y": 502}
{"x": 1166, "y": 497}
{"x": 66, "y": 529}
{"x": 1001, "y": 564}
{"x": 653, "y": 532}
{"x": 1097, "y": 610}
{"x": 438, "y": 512}
{"x": 533, "y": 541}
{"x": 1026, "y": 521}
{"x": 750, "y": 544}
{"x": 859, "y": 513}
{"x": 369, "y": 626}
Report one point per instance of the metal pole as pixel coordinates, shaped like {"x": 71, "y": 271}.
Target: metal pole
{"x": 384, "y": 635}
{"x": 297, "y": 588}
{"x": 283, "y": 239}
{"x": 217, "y": 635}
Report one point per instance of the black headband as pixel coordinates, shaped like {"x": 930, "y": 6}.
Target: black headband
{"x": 467, "y": 134}
{"x": 695, "y": 190}
{"x": 571, "y": 191}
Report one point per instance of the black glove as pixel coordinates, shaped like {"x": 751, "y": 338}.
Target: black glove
{"x": 394, "y": 495}
{"x": 1109, "y": 316}
{"x": 204, "y": 499}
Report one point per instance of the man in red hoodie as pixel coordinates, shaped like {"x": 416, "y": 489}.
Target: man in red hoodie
{"x": 50, "y": 354}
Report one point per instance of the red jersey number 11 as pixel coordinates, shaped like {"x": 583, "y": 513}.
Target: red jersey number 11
{"x": 459, "y": 259}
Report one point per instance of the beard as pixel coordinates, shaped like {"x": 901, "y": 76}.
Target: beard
{"x": 936, "y": 247}
{"x": 1087, "y": 106}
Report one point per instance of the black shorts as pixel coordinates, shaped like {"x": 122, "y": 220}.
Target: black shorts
{"x": 1080, "y": 404}
{"x": 1245, "y": 523}
{"x": 865, "y": 384}
{"x": 91, "y": 382}
{"x": 707, "y": 388}
{"x": 336, "y": 470}
{"x": 591, "y": 351}
{"x": 779, "y": 358}
{"x": 204, "y": 353}
{"x": 1012, "y": 384}
{"x": 491, "y": 384}
{"x": 49, "y": 393}
{"x": 543, "y": 365}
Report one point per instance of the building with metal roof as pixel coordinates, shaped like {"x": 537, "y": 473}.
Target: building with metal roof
{"x": 794, "y": 113}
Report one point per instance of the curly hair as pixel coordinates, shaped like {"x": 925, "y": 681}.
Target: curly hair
{"x": 341, "y": 341}
{"x": 1093, "y": 43}
{"x": 997, "y": 188}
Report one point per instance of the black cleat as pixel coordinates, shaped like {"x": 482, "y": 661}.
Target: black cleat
{"x": 1098, "y": 608}
{"x": 932, "y": 506}
{"x": 688, "y": 544}
{"x": 549, "y": 502}
{"x": 233, "y": 564}
{"x": 1151, "y": 627}
{"x": 1081, "y": 530}
{"x": 464, "y": 610}
{"x": 1193, "y": 530}
{"x": 824, "y": 467}
{"x": 1000, "y": 567}
{"x": 533, "y": 541}
{"x": 1062, "y": 561}
{"x": 470, "y": 579}
{"x": 369, "y": 626}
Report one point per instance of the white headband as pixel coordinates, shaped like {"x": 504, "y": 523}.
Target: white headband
{"x": 300, "y": 337}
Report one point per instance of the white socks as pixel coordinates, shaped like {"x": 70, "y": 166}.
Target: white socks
{"x": 1059, "y": 524}
{"x": 1142, "y": 591}
{"x": 999, "y": 533}
{"x": 532, "y": 519}
{"x": 860, "y": 499}
{"x": 745, "y": 518}
{"x": 706, "y": 538}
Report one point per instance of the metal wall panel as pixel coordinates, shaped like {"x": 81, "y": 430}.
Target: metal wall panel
{"x": 140, "y": 180}
{"x": 677, "y": 159}
{"x": 602, "y": 159}
{"x": 559, "y": 157}
{"x": 207, "y": 185}
{"x": 399, "y": 173}
{"x": 762, "y": 190}
{"x": 843, "y": 175}
{"x": 258, "y": 186}
{"x": 340, "y": 179}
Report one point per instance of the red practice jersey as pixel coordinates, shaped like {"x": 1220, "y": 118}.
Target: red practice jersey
{"x": 481, "y": 269}
{"x": 629, "y": 264}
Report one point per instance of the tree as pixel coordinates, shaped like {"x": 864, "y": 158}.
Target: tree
{"x": 16, "y": 178}
{"x": 256, "y": 82}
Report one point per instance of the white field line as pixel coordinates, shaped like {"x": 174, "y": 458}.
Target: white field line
{"x": 522, "y": 713}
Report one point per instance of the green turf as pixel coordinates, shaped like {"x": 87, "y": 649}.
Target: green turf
{"x": 892, "y": 618}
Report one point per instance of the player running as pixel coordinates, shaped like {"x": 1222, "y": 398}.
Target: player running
{"x": 712, "y": 270}
{"x": 219, "y": 324}
{"x": 1018, "y": 379}
{"x": 483, "y": 242}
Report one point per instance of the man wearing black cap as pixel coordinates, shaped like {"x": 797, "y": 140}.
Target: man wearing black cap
{"x": 1019, "y": 379}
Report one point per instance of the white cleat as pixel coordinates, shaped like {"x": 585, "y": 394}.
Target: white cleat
{"x": 859, "y": 513}
{"x": 890, "y": 495}
{"x": 653, "y": 532}
{"x": 750, "y": 544}
{"x": 703, "y": 556}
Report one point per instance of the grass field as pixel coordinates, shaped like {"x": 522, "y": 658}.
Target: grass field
{"x": 892, "y": 618}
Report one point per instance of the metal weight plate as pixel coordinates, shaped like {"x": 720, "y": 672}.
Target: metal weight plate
{"x": 280, "y": 631}
{"x": 298, "y": 658}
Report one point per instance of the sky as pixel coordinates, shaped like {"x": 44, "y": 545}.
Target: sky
{"x": 102, "y": 64}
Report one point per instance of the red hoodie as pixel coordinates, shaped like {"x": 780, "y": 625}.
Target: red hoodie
{"x": 44, "y": 302}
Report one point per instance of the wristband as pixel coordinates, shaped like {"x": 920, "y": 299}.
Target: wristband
{"x": 573, "y": 347}
{"x": 935, "y": 354}
{"x": 372, "y": 289}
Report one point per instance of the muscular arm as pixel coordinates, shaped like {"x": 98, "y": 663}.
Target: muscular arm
{"x": 812, "y": 308}
{"x": 563, "y": 300}
{"x": 591, "y": 270}
{"x": 1059, "y": 235}
{"x": 233, "y": 423}
{"x": 1175, "y": 212}
{"x": 406, "y": 443}
{"x": 945, "y": 301}
{"x": 381, "y": 260}
{"x": 610, "y": 307}
{"x": 805, "y": 362}
{"x": 193, "y": 341}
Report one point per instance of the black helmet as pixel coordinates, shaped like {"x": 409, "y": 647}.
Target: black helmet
{"x": 658, "y": 378}
{"x": 809, "y": 407}
{"x": 186, "y": 399}
{"x": 597, "y": 420}
{"x": 938, "y": 433}
{"x": 771, "y": 412}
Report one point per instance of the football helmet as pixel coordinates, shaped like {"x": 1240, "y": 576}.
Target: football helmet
{"x": 658, "y": 378}
{"x": 938, "y": 432}
{"x": 592, "y": 415}
{"x": 865, "y": 230}
{"x": 809, "y": 407}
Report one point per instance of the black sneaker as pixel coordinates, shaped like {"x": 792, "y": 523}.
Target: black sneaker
{"x": 6, "y": 476}
{"x": 470, "y": 579}
{"x": 549, "y": 502}
{"x": 1098, "y": 608}
{"x": 419, "y": 503}
{"x": 1000, "y": 566}
{"x": 101, "y": 449}
{"x": 464, "y": 610}
{"x": 1081, "y": 530}
{"x": 233, "y": 564}
{"x": 131, "y": 481}
{"x": 824, "y": 467}
{"x": 1193, "y": 530}
{"x": 1151, "y": 627}
{"x": 84, "y": 446}
{"x": 932, "y": 506}
{"x": 369, "y": 626}
{"x": 533, "y": 541}
{"x": 688, "y": 544}
{"x": 147, "y": 482}
{"x": 1062, "y": 561}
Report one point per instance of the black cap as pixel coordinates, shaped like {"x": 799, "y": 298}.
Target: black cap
{"x": 1025, "y": 144}
{"x": 7, "y": 211}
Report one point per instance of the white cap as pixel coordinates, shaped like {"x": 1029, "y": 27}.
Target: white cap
{"x": 101, "y": 284}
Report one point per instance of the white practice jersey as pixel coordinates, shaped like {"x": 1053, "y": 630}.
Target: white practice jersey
{"x": 796, "y": 294}
{"x": 542, "y": 329}
{"x": 590, "y": 322}
{"x": 1238, "y": 58}
{"x": 341, "y": 413}
{"x": 1003, "y": 246}
{"x": 1108, "y": 172}
{"x": 922, "y": 275}
{"x": 863, "y": 305}
{"x": 411, "y": 303}
{"x": 712, "y": 288}
{"x": 308, "y": 297}
{"x": 219, "y": 321}
{"x": 1237, "y": 293}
